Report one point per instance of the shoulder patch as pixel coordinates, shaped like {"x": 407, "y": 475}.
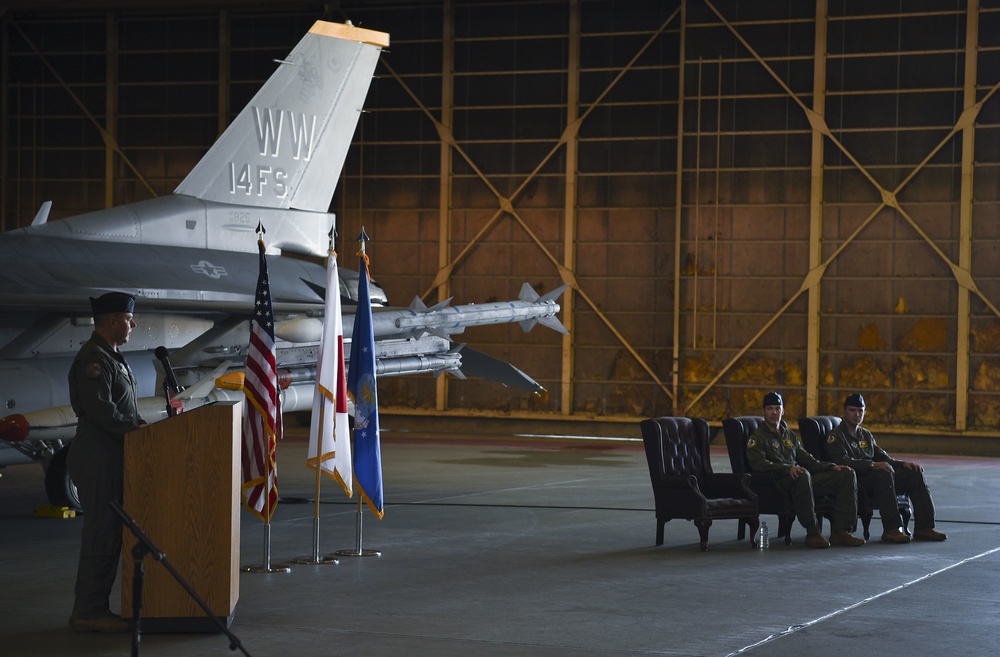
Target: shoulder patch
{"x": 93, "y": 370}
{"x": 751, "y": 442}
{"x": 831, "y": 439}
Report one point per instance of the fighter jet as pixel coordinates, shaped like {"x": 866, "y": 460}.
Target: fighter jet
{"x": 191, "y": 261}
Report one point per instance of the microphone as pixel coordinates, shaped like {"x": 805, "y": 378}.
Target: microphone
{"x": 163, "y": 356}
{"x": 174, "y": 406}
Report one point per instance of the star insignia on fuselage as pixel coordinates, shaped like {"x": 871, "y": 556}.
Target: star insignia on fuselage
{"x": 208, "y": 269}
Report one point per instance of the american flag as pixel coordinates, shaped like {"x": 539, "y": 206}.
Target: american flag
{"x": 262, "y": 422}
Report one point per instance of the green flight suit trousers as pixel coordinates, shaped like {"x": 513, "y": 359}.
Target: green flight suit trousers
{"x": 803, "y": 490}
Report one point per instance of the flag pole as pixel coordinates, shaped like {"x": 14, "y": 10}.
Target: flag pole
{"x": 266, "y": 567}
{"x": 358, "y": 551}
{"x": 316, "y": 557}
{"x": 265, "y": 399}
{"x": 329, "y": 401}
{"x": 362, "y": 374}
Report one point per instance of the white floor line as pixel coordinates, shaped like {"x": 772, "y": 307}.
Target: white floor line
{"x": 795, "y": 628}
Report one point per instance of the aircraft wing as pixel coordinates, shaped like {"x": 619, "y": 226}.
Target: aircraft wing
{"x": 476, "y": 363}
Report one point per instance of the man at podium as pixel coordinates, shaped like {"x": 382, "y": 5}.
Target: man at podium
{"x": 102, "y": 390}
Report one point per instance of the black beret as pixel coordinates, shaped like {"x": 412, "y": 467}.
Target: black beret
{"x": 854, "y": 400}
{"x": 773, "y": 399}
{"x": 112, "y": 302}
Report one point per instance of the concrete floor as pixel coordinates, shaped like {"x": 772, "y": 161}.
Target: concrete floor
{"x": 495, "y": 546}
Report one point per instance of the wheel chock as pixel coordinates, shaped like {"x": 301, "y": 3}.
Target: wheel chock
{"x": 54, "y": 512}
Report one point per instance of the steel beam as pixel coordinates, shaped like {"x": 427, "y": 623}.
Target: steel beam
{"x": 962, "y": 382}
{"x": 816, "y": 213}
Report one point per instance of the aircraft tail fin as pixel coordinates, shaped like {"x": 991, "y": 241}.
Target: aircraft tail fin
{"x": 287, "y": 147}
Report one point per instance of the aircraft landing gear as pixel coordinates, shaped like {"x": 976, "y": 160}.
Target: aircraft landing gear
{"x": 59, "y": 487}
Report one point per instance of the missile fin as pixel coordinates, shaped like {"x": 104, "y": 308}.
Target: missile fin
{"x": 528, "y": 324}
{"x": 43, "y": 214}
{"x": 458, "y": 374}
{"x": 418, "y": 305}
{"x": 433, "y": 330}
{"x": 553, "y": 323}
{"x": 554, "y": 294}
{"x": 440, "y": 306}
{"x": 206, "y": 384}
{"x": 527, "y": 293}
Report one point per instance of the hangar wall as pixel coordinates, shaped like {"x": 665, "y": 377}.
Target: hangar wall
{"x": 837, "y": 190}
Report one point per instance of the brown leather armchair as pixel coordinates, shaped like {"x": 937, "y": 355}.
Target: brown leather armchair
{"x": 814, "y": 430}
{"x": 771, "y": 499}
{"x": 684, "y": 485}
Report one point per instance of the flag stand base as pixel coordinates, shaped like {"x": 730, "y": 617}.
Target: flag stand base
{"x": 266, "y": 569}
{"x": 314, "y": 561}
{"x": 358, "y": 553}
{"x": 267, "y": 566}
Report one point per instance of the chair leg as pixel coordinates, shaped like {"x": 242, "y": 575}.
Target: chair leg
{"x": 753, "y": 525}
{"x": 703, "y": 524}
{"x": 660, "y": 522}
{"x": 785, "y": 527}
{"x": 741, "y": 530}
{"x": 866, "y": 522}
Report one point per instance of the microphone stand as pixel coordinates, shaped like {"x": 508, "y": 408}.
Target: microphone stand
{"x": 166, "y": 395}
{"x": 143, "y": 547}
{"x": 170, "y": 384}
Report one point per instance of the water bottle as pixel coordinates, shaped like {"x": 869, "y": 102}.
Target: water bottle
{"x": 762, "y": 540}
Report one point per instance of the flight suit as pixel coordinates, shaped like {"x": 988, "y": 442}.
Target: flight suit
{"x": 776, "y": 453}
{"x": 860, "y": 451}
{"x": 102, "y": 390}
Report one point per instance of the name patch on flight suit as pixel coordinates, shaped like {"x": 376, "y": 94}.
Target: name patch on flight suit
{"x": 93, "y": 370}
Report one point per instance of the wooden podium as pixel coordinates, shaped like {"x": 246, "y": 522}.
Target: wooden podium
{"x": 182, "y": 479}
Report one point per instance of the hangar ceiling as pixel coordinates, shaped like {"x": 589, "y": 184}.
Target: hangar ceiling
{"x": 742, "y": 195}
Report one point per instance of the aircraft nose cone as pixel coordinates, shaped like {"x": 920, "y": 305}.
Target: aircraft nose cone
{"x": 14, "y": 428}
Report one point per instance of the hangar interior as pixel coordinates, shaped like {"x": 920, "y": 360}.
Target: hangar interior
{"x": 741, "y": 195}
